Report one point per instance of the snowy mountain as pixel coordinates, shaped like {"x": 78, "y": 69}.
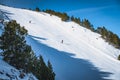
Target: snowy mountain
{"x": 75, "y": 52}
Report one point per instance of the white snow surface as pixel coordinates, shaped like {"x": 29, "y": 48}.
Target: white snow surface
{"x": 8, "y": 72}
{"x": 83, "y": 55}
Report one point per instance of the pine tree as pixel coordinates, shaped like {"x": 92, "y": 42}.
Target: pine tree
{"x": 41, "y": 69}
{"x": 87, "y": 24}
{"x": 119, "y": 57}
{"x": 37, "y": 9}
{"x": 51, "y": 74}
{"x": 20, "y": 55}
{"x": 14, "y": 47}
{"x": 109, "y": 36}
{"x": 72, "y": 18}
{"x": 76, "y": 20}
{"x": 64, "y": 16}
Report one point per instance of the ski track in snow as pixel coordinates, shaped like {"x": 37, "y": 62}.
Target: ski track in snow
{"x": 83, "y": 55}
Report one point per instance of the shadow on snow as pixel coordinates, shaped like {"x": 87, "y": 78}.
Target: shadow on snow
{"x": 5, "y": 14}
{"x": 65, "y": 66}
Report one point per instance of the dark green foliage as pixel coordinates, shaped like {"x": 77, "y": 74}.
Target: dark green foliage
{"x": 87, "y": 24}
{"x": 63, "y": 16}
{"x": 12, "y": 42}
{"x": 103, "y": 31}
{"x": 76, "y": 20}
{"x": 51, "y": 74}
{"x": 37, "y": 9}
{"x": 42, "y": 71}
{"x": 72, "y": 18}
{"x": 119, "y": 57}
{"x": 20, "y": 55}
{"x": 109, "y": 36}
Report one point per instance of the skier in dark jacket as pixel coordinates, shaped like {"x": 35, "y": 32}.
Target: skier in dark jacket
{"x": 62, "y": 41}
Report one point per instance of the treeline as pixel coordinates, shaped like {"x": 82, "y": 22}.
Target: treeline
{"x": 107, "y": 35}
{"x": 17, "y": 53}
{"x": 85, "y": 23}
{"x": 63, "y": 16}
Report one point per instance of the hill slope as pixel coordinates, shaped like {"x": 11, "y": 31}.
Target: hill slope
{"x": 83, "y": 55}
{"x": 8, "y": 72}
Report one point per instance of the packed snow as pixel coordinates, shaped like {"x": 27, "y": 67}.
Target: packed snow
{"x": 75, "y": 52}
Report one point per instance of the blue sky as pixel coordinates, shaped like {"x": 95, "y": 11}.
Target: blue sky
{"x": 99, "y": 12}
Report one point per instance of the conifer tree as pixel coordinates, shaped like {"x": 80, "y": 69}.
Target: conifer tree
{"x": 20, "y": 55}
{"x": 64, "y": 17}
{"x": 51, "y": 74}
{"x": 72, "y": 18}
{"x": 119, "y": 57}
{"x": 87, "y": 24}
{"x": 109, "y": 36}
{"x": 14, "y": 47}
{"x": 37, "y": 9}
{"x": 42, "y": 72}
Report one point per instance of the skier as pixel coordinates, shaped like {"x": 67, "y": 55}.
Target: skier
{"x": 29, "y": 21}
{"x": 62, "y": 41}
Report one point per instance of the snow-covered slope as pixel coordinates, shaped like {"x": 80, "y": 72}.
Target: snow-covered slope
{"x": 83, "y": 55}
{"x": 8, "y": 72}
